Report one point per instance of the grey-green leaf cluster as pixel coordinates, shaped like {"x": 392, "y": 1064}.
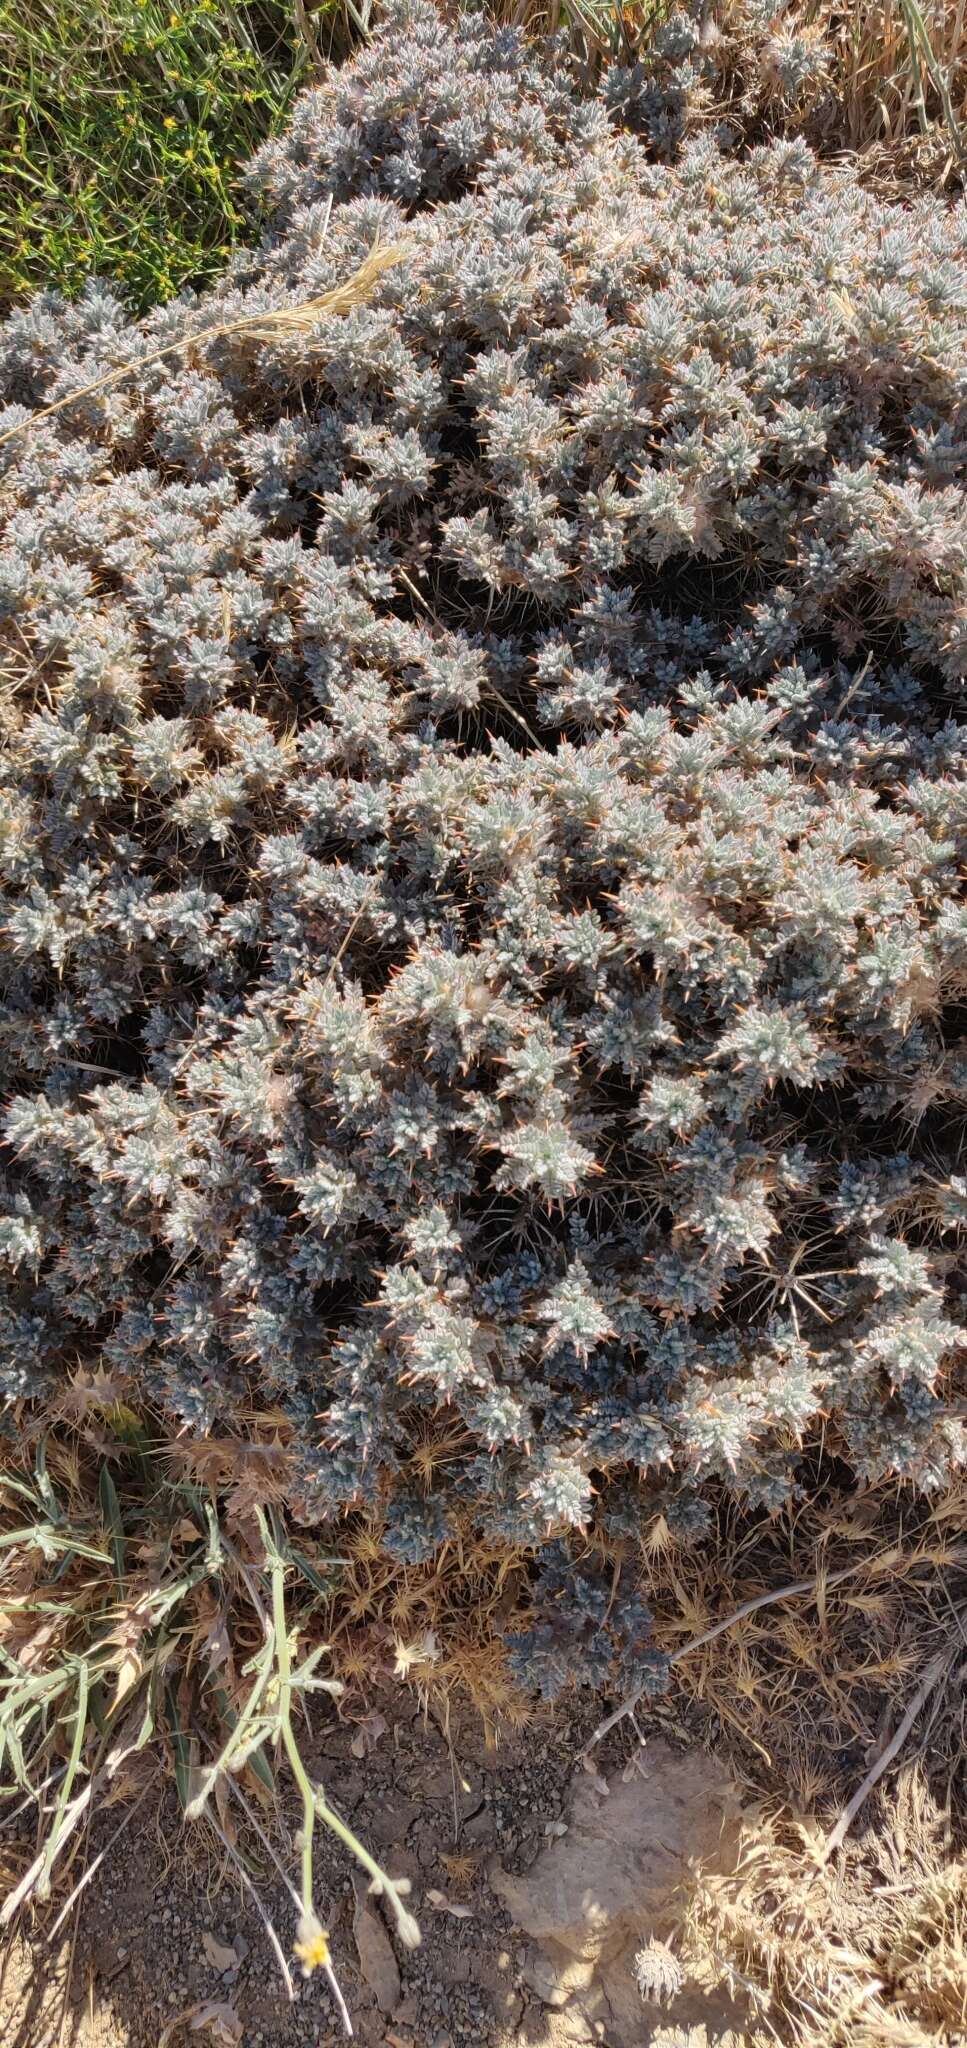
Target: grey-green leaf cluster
{"x": 482, "y": 816}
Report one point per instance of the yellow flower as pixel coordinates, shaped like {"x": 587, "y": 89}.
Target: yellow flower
{"x": 311, "y": 1945}
{"x": 169, "y": 121}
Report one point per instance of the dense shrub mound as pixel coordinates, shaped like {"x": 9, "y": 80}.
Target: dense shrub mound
{"x": 482, "y": 800}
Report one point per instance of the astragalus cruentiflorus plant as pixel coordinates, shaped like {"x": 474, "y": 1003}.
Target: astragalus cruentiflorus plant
{"x": 482, "y": 818}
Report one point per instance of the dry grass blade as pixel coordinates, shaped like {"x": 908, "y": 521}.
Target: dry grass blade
{"x": 72, "y": 1815}
{"x": 261, "y": 1909}
{"x": 301, "y": 319}
{"x": 95, "y": 1864}
{"x": 287, "y": 321}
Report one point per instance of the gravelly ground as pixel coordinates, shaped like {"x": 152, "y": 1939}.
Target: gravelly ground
{"x": 165, "y": 1927}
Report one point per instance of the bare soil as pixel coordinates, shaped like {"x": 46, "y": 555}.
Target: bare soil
{"x": 166, "y": 1947}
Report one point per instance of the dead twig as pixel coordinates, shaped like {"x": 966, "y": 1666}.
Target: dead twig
{"x": 796, "y": 1586}
{"x": 937, "y": 1669}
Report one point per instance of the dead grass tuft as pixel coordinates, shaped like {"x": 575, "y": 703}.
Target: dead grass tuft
{"x": 884, "y": 80}
{"x": 816, "y": 1679}
{"x": 866, "y": 1948}
{"x": 457, "y": 1603}
{"x": 844, "y": 1956}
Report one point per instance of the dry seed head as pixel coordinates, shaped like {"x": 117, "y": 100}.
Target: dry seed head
{"x": 658, "y": 1973}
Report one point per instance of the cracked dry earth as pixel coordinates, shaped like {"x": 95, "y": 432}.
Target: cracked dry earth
{"x": 535, "y": 1880}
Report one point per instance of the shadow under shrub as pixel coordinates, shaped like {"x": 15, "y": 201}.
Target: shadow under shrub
{"x": 483, "y": 968}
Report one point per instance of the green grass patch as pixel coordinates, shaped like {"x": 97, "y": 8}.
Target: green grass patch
{"x": 123, "y": 124}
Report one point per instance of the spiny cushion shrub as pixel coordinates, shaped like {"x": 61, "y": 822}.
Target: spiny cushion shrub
{"x": 482, "y": 802}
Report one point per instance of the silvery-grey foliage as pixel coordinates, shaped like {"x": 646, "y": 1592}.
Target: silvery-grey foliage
{"x": 482, "y": 810}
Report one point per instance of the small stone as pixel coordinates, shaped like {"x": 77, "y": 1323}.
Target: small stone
{"x": 480, "y": 1827}
{"x": 376, "y": 1959}
{"x": 389, "y": 1824}
{"x": 540, "y": 1976}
